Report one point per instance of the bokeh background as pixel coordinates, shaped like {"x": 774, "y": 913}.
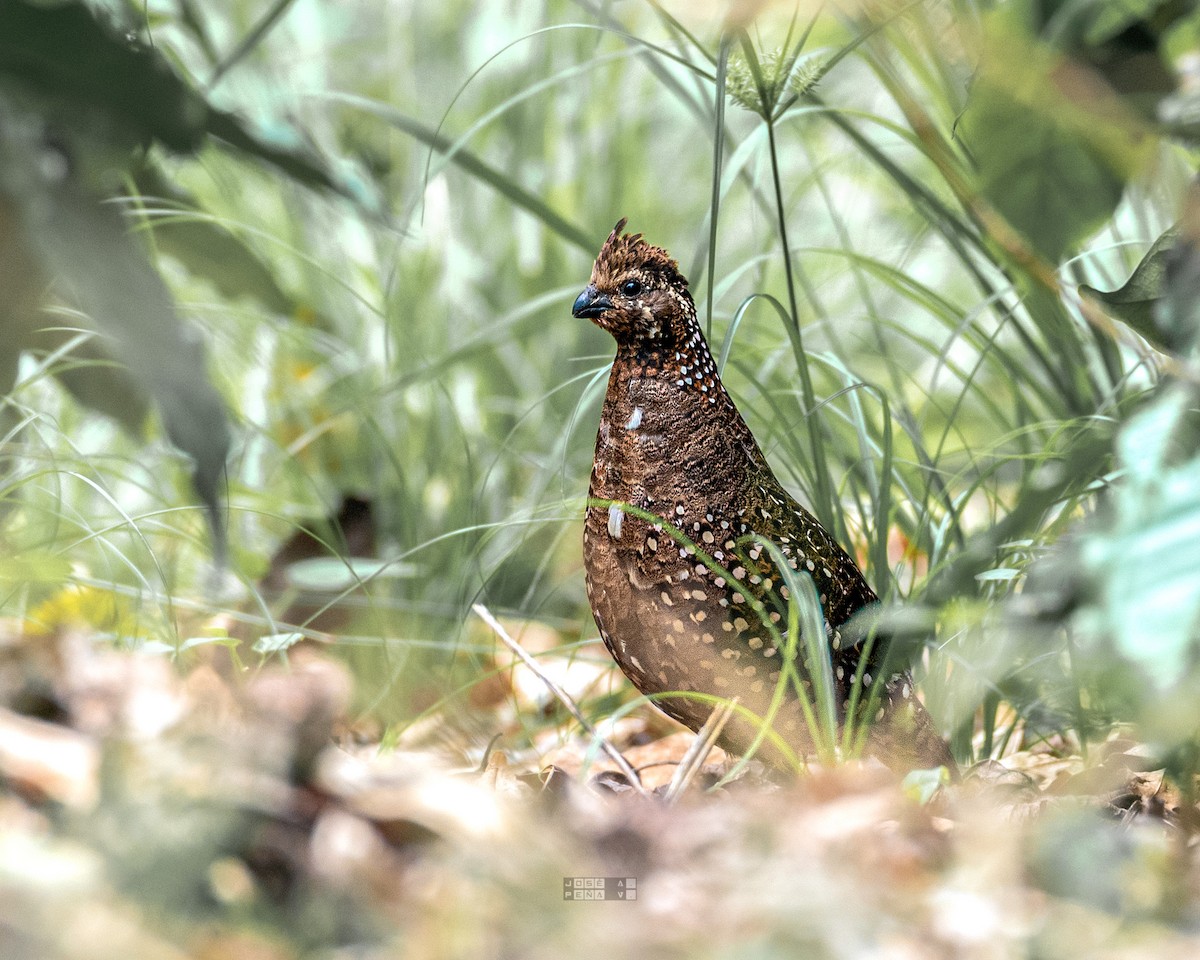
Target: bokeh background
{"x": 377, "y": 214}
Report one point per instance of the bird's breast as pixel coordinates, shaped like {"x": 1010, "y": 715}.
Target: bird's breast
{"x": 655, "y": 440}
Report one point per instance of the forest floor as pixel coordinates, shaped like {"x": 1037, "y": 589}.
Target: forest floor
{"x": 153, "y": 807}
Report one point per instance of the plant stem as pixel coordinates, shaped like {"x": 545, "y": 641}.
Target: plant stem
{"x": 822, "y": 494}
{"x": 718, "y": 155}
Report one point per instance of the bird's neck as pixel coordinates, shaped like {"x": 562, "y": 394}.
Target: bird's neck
{"x": 679, "y": 354}
{"x": 669, "y": 432}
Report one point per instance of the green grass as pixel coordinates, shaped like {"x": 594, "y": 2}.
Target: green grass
{"x": 905, "y": 371}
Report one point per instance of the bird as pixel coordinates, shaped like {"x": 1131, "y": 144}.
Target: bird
{"x": 681, "y": 505}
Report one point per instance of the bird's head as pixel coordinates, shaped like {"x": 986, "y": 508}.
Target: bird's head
{"x": 637, "y": 293}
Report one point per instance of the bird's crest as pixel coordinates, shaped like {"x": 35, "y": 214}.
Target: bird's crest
{"x": 622, "y": 254}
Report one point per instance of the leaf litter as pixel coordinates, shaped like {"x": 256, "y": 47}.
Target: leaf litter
{"x": 153, "y": 807}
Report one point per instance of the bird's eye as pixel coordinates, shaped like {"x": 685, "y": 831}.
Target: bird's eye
{"x": 631, "y": 288}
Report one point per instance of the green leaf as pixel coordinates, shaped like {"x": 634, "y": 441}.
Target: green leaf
{"x": 1180, "y": 39}
{"x": 344, "y": 573}
{"x": 23, "y": 286}
{"x": 1145, "y": 561}
{"x": 276, "y": 642}
{"x": 64, "y": 51}
{"x": 90, "y": 373}
{"x": 78, "y": 361}
{"x": 206, "y": 248}
{"x": 921, "y": 786}
{"x": 128, "y": 93}
{"x": 1052, "y": 145}
{"x": 1178, "y": 314}
{"x": 84, "y": 245}
{"x": 1115, "y": 16}
{"x": 1134, "y": 301}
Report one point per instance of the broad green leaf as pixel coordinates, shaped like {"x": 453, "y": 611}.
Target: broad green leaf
{"x": 23, "y": 285}
{"x": 84, "y": 245}
{"x": 282, "y": 147}
{"x": 1178, "y": 313}
{"x": 79, "y": 361}
{"x": 1107, "y": 19}
{"x": 206, "y": 248}
{"x": 1123, "y": 41}
{"x": 921, "y": 786}
{"x": 62, "y": 50}
{"x": 82, "y": 362}
{"x": 127, "y": 91}
{"x": 1134, "y": 301}
{"x": 344, "y": 573}
{"x": 1052, "y": 145}
{"x": 210, "y": 251}
{"x": 1146, "y": 562}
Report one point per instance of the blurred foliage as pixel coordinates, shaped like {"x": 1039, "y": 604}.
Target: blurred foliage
{"x": 1054, "y": 149}
{"x": 1127, "y": 583}
{"x": 893, "y": 237}
{"x": 76, "y": 95}
{"x": 1135, "y": 303}
{"x": 943, "y": 253}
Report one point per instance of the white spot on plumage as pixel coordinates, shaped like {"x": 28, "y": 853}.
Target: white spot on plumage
{"x": 615, "y": 518}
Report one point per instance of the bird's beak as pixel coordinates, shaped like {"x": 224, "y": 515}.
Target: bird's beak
{"x": 591, "y": 303}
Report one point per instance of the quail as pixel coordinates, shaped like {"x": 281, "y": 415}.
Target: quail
{"x": 681, "y": 504}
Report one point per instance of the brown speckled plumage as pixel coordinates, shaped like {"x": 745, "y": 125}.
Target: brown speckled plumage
{"x": 672, "y": 446}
